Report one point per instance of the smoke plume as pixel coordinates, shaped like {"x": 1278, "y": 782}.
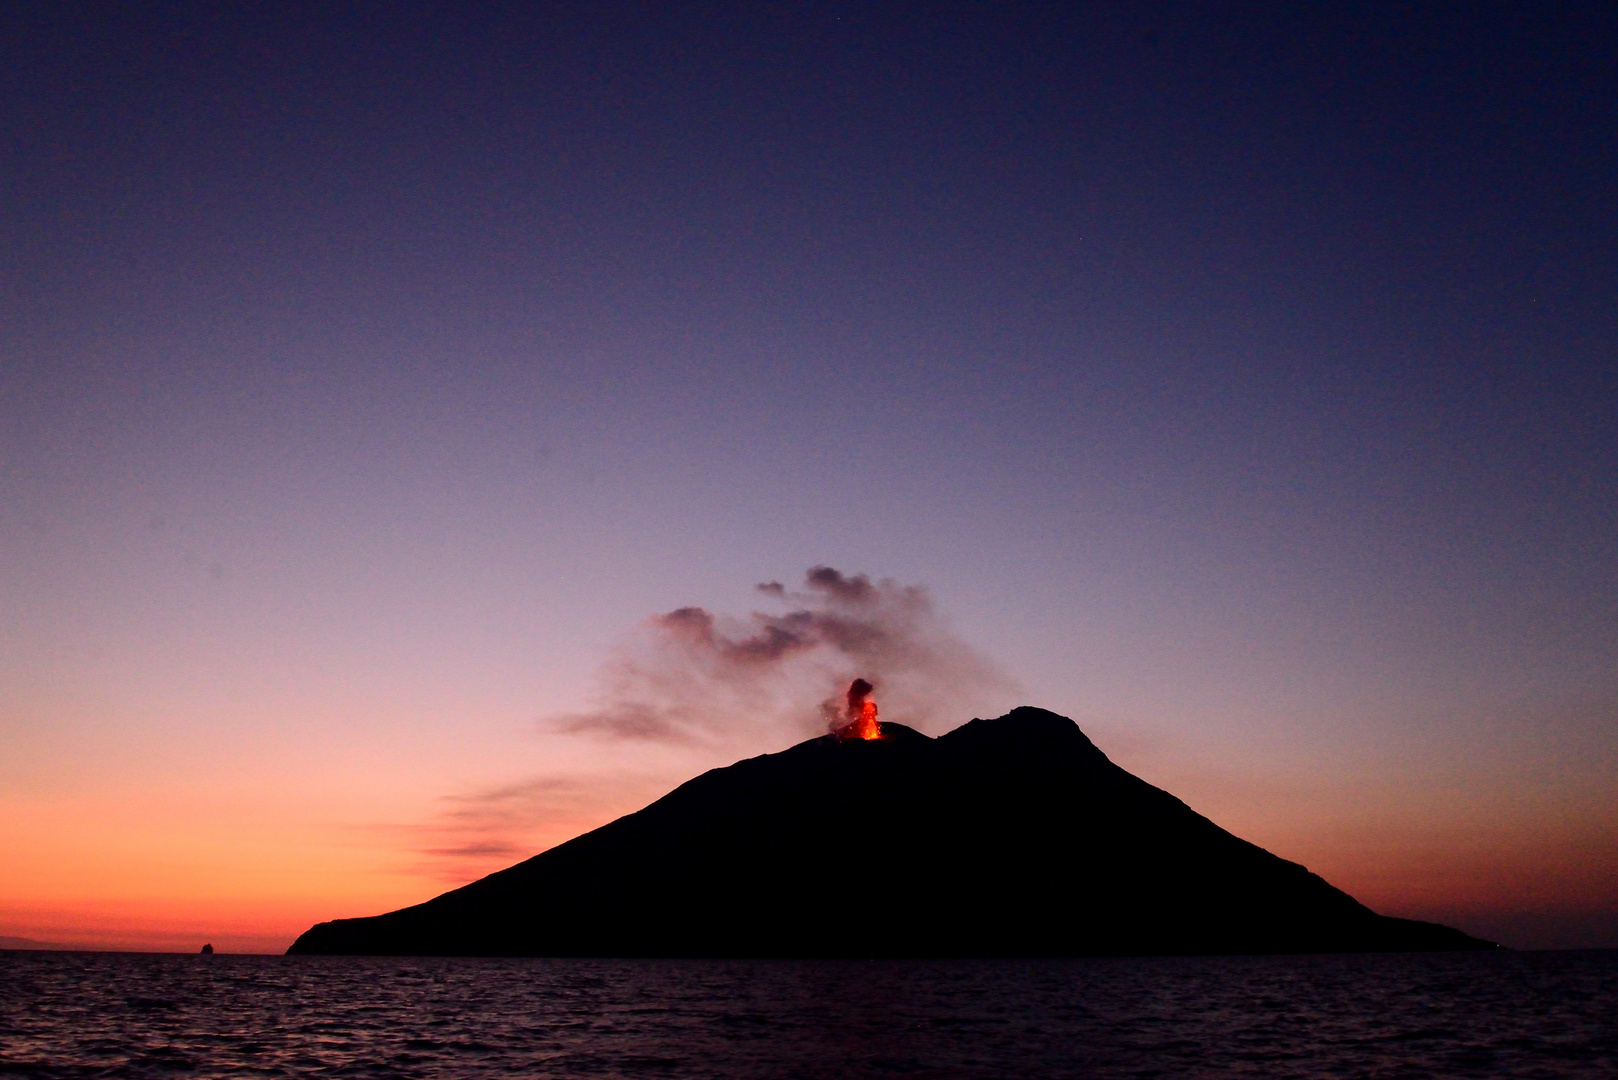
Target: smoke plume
{"x": 696, "y": 677}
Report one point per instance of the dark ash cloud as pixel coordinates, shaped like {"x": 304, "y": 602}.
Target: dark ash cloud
{"x": 692, "y": 676}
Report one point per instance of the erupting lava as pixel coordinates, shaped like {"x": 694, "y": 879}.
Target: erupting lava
{"x": 860, "y": 714}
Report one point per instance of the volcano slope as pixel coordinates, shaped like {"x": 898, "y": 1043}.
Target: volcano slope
{"x": 1007, "y": 837}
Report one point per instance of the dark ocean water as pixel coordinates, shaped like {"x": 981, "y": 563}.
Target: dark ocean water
{"x": 1443, "y": 1015}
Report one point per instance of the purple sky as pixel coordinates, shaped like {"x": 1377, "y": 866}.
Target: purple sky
{"x": 1239, "y": 382}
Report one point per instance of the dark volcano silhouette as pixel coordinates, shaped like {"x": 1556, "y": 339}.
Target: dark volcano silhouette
{"x": 1008, "y": 837}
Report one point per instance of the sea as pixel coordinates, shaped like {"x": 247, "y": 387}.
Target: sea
{"x": 1501, "y": 1014}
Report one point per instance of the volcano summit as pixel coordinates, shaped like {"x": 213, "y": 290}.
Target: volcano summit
{"x": 1007, "y": 837}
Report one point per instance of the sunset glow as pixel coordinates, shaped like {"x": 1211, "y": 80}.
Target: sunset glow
{"x": 424, "y": 439}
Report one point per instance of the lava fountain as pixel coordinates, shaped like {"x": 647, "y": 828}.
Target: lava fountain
{"x": 860, "y": 714}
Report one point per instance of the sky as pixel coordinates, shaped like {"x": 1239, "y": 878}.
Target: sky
{"x": 377, "y": 379}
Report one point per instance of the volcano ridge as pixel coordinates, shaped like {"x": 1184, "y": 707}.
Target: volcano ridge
{"x": 1007, "y": 837}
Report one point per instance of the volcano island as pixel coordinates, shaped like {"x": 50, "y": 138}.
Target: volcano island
{"x": 1006, "y": 837}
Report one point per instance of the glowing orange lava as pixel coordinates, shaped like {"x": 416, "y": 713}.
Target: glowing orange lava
{"x": 860, "y": 713}
{"x": 865, "y": 725}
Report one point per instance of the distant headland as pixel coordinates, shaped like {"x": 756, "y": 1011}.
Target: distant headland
{"x": 1006, "y": 837}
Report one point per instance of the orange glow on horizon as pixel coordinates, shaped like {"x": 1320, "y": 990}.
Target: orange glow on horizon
{"x": 248, "y": 860}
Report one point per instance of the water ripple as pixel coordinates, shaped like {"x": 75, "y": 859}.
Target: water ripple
{"x": 1529, "y": 1015}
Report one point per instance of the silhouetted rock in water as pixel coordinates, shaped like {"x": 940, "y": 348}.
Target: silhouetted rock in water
{"x": 207, "y": 950}
{"x": 29, "y": 944}
{"x": 1008, "y": 837}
